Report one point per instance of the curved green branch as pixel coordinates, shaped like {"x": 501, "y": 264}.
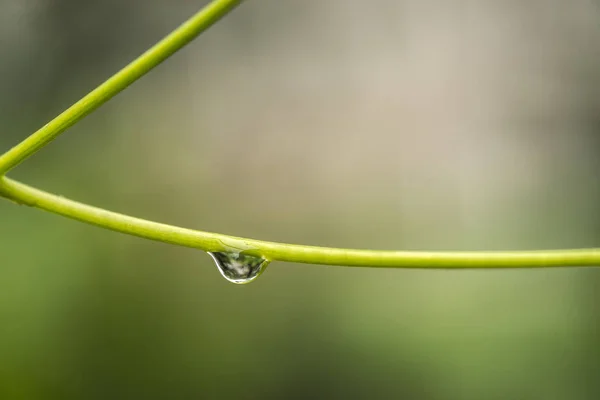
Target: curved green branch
{"x": 207, "y": 241}
{"x": 118, "y": 82}
{"x": 214, "y": 242}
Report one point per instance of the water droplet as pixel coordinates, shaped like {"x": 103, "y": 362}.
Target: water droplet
{"x": 239, "y": 268}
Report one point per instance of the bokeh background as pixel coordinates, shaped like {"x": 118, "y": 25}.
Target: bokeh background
{"x": 387, "y": 124}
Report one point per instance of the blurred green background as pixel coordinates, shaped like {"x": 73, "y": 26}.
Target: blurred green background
{"x": 417, "y": 125}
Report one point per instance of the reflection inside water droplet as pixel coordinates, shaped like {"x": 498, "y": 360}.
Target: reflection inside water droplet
{"x": 239, "y": 268}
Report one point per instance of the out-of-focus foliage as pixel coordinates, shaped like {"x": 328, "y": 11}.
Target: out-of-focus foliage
{"x": 384, "y": 124}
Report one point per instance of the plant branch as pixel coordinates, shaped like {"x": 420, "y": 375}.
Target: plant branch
{"x": 214, "y": 242}
{"x": 118, "y": 82}
{"x": 207, "y": 241}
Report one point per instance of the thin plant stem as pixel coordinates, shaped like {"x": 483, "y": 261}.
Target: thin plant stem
{"x": 118, "y": 82}
{"x": 23, "y": 194}
{"x": 207, "y": 241}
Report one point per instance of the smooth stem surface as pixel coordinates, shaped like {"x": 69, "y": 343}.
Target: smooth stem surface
{"x": 118, "y": 82}
{"x": 24, "y": 194}
{"x": 213, "y": 242}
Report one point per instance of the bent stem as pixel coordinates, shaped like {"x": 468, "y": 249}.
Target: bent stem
{"x": 273, "y": 251}
{"x": 214, "y": 242}
{"x": 118, "y": 82}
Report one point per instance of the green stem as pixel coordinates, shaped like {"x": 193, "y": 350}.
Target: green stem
{"x": 27, "y": 195}
{"x": 118, "y": 82}
{"x": 30, "y": 196}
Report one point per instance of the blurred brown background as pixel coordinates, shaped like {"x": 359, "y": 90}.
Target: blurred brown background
{"x": 414, "y": 124}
